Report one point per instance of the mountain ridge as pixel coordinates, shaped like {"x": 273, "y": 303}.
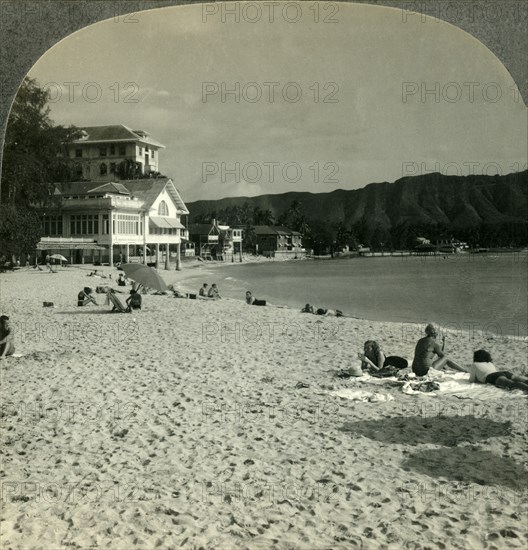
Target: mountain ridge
{"x": 458, "y": 201}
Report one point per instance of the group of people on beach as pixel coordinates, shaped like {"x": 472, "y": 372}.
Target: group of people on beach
{"x": 211, "y": 293}
{"x": 428, "y": 354}
{"x": 85, "y": 297}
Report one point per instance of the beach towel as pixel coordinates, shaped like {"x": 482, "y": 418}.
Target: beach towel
{"x": 458, "y": 384}
{"x": 362, "y": 395}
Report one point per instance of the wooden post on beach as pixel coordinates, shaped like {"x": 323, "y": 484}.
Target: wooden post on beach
{"x": 157, "y": 255}
{"x": 145, "y": 253}
{"x": 178, "y": 259}
{"x": 127, "y": 253}
{"x": 167, "y": 257}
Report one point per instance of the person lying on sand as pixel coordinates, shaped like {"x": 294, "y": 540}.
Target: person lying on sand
{"x": 7, "y": 340}
{"x": 484, "y": 371}
{"x": 425, "y": 350}
{"x": 374, "y": 358}
{"x": 252, "y": 301}
{"x": 85, "y": 297}
{"x": 322, "y": 311}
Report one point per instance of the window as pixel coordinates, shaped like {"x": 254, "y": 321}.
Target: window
{"x": 128, "y": 224}
{"x": 105, "y": 224}
{"x": 85, "y": 224}
{"x": 140, "y": 149}
{"x": 52, "y": 225}
{"x": 112, "y": 167}
{"x": 103, "y": 169}
{"x": 112, "y": 149}
{"x": 163, "y": 209}
{"x": 78, "y": 171}
{"x": 102, "y": 151}
{"x": 78, "y": 153}
{"x": 122, "y": 149}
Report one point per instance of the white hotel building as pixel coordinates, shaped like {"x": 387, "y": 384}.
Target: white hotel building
{"x": 107, "y": 219}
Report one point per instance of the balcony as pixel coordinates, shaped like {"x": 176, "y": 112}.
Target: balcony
{"x": 106, "y": 203}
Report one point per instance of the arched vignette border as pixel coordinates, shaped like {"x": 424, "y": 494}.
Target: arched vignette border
{"x": 28, "y": 28}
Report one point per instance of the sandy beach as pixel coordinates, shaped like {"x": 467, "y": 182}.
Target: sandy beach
{"x": 184, "y": 426}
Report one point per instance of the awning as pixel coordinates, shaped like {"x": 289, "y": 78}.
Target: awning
{"x": 51, "y": 245}
{"x": 167, "y": 223}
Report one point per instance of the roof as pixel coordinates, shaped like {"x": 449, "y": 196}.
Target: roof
{"x": 274, "y": 230}
{"x": 111, "y": 187}
{"x": 147, "y": 190}
{"x": 118, "y": 132}
{"x": 200, "y": 228}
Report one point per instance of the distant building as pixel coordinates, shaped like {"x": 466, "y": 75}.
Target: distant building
{"x": 215, "y": 241}
{"x": 275, "y": 240}
{"x": 106, "y": 153}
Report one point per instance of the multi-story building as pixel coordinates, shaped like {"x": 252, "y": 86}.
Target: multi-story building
{"x": 212, "y": 240}
{"x": 104, "y": 153}
{"x": 275, "y": 240}
{"x": 110, "y": 218}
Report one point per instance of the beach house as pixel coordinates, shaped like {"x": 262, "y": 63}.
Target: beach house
{"x": 107, "y": 216}
{"x": 215, "y": 241}
{"x": 277, "y": 240}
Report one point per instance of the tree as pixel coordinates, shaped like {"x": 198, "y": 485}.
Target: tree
{"x": 20, "y": 230}
{"x": 35, "y": 151}
{"x": 128, "y": 169}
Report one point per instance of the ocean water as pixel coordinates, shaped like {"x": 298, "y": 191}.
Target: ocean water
{"x": 465, "y": 292}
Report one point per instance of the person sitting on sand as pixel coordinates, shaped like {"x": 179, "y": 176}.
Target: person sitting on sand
{"x": 426, "y": 349}
{"x": 7, "y": 341}
{"x": 252, "y": 301}
{"x": 84, "y": 297}
{"x": 203, "y": 290}
{"x": 213, "y": 292}
{"x": 484, "y": 371}
{"x": 121, "y": 280}
{"x": 308, "y": 309}
{"x": 134, "y": 300}
{"x": 374, "y": 358}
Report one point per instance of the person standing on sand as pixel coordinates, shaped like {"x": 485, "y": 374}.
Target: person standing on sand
{"x": 7, "y": 344}
{"x": 426, "y": 349}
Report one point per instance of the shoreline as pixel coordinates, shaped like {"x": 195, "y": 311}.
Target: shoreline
{"x": 184, "y": 424}
{"x": 207, "y": 270}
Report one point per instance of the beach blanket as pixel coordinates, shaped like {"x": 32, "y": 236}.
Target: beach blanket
{"x": 451, "y": 383}
{"x": 362, "y": 395}
{"x": 458, "y": 384}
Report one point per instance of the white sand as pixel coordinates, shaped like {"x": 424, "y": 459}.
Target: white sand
{"x": 181, "y": 426}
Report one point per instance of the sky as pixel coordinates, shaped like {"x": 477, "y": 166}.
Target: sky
{"x": 369, "y": 95}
